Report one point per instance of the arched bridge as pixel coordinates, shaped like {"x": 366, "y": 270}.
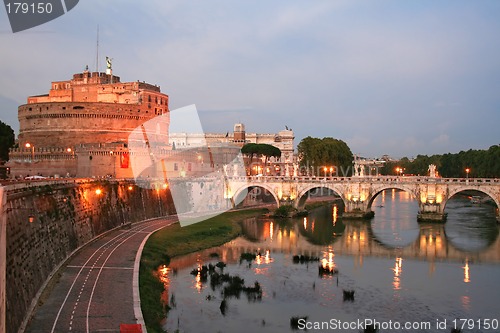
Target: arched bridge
{"x": 358, "y": 193}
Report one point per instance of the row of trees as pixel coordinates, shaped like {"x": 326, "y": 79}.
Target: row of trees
{"x": 481, "y": 163}
{"x": 316, "y": 154}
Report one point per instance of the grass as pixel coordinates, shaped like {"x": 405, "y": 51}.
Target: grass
{"x": 175, "y": 241}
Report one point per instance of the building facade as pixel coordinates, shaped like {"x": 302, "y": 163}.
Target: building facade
{"x": 81, "y": 127}
{"x": 284, "y": 140}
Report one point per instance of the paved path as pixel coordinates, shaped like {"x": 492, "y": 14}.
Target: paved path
{"x": 95, "y": 292}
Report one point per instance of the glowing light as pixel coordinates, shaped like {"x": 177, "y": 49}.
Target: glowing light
{"x": 305, "y": 223}
{"x": 165, "y": 185}
{"x": 466, "y": 271}
{"x": 439, "y": 198}
{"x": 268, "y": 255}
{"x": 335, "y": 214}
{"x": 130, "y": 188}
{"x": 398, "y": 269}
{"x": 330, "y": 262}
{"x": 98, "y": 191}
{"x": 27, "y": 145}
{"x": 271, "y": 230}
{"x": 69, "y": 150}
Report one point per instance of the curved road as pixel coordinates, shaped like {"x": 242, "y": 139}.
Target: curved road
{"x": 95, "y": 292}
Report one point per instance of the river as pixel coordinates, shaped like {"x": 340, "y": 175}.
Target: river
{"x": 406, "y": 276}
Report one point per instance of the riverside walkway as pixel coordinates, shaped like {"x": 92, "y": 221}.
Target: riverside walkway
{"x": 96, "y": 290}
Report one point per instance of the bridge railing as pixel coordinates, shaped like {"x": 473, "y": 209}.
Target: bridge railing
{"x": 373, "y": 179}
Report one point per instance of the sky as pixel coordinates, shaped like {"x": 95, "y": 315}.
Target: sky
{"x": 388, "y": 77}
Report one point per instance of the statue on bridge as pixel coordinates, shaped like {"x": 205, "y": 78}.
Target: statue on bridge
{"x": 432, "y": 171}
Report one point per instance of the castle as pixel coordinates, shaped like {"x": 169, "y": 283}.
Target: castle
{"x": 92, "y": 124}
{"x": 81, "y": 127}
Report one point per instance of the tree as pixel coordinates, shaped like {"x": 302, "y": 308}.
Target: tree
{"x": 315, "y": 154}
{"x": 260, "y": 149}
{"x": 7, "y": 139}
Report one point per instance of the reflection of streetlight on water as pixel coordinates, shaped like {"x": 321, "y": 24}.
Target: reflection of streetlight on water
{"x": 466, "y": 271}
{"x": 398, "y": 269}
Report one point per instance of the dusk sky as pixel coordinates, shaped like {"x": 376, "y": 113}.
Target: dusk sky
{"x": 388, "y": 77}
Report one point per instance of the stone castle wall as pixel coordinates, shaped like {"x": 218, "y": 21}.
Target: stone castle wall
{"x": 70, "y": 124}
{"x": 68, "y": 214}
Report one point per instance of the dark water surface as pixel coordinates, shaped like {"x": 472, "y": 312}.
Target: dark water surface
{"x": 402, "y": 272}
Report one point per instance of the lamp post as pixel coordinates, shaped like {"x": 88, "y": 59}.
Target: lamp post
{"x": 29, "y": 145}
{"x": 467, "y": 170}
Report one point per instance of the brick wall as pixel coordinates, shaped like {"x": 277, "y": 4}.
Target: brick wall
{"x": 68, "y": 214}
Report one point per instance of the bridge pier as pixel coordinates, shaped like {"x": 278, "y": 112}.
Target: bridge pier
{"x": 357, "y": 210}
{"x": 431, "y": 212}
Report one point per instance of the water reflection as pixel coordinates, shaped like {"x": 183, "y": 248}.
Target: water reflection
{"x": 470, "y": 227}
{"x": 395, "y": 223}
{"x": 398, "y": 268}
{"x": 453, "y": 240}
{"x": 466, "y": 271}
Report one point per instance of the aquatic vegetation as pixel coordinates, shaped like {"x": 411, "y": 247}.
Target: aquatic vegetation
{"x": 294, "y": 322}
{"x": 220, "y": 264}
{"x": 231, "y": 285}
{"x": 370, "y": 329}
{"x": 247, "y": 256}
{"x": 223, "y": 307}
{"x": 348, "y": 295}
{"x": 303, "y": 259}
{"x": 327, "y": 270}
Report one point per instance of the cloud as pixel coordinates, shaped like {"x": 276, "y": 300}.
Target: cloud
{"x": 345, "y": 69}
{"x": 442, "y": 140}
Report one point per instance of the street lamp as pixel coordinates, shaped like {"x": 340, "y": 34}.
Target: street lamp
{"x": 29, "y": 145}
{"x": 325, "y": 169}
{"x": 467, "y": 170}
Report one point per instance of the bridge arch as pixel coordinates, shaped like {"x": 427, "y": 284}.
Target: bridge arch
{"x": 237, "y": 197}
{"x": 486, "y": 190}
{"x": 379, "y": 189}
{"x": 302, "y": 195}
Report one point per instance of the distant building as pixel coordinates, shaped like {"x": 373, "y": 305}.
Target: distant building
{"x": 282, "y": 140}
